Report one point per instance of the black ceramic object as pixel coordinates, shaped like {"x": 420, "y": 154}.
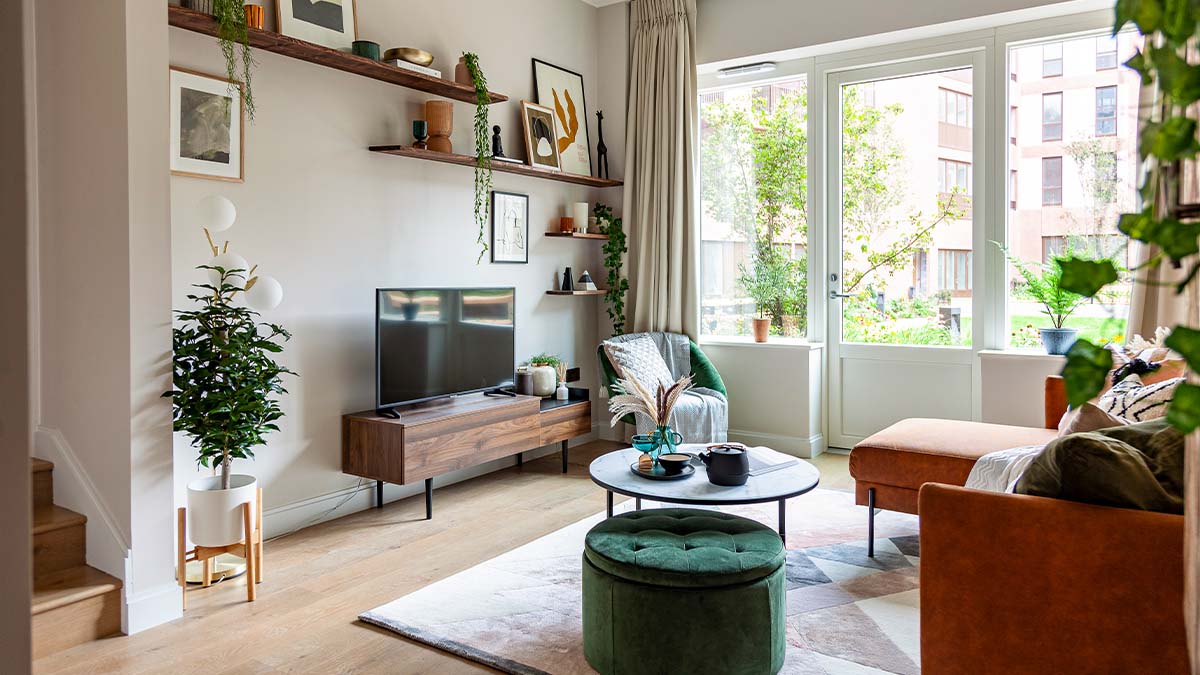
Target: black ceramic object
{"x": 497, "y": 145}
{"x": 567, "y": 283}
{"x": 674, "y": 463}
{"x": 728, "y": 464}
{"x": 421, "y": 134}
{"x": 601, "y": 148}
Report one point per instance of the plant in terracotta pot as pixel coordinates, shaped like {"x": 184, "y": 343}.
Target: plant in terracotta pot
{"x": 225, "y": 389}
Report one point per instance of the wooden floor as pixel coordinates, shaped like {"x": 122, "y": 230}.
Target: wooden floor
{"x": 318, "y": 580}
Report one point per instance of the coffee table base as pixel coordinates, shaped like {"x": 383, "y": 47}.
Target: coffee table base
{"x": 637, "y": 506}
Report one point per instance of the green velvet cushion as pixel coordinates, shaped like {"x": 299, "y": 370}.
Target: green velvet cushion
{"x": 1139, "y": 466}
{"x": 684, "y": 548}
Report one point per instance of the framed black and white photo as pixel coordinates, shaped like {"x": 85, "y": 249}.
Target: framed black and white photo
{"x": 207, "y": 126}
{"x": 540, "y": 147}
{"x": 331, "y": 23}
{"x": 510, "y": 227}
{"x": 562, "y": 90}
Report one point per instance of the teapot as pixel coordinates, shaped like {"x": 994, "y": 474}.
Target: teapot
{"x": 728, "y": 464}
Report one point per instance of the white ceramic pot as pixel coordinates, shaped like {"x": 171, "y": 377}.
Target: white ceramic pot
{"x": 215, "y": 515}
{"x": 544, "y": 380}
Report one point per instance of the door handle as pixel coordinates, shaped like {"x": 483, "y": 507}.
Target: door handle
{"x": 834, "y": 295}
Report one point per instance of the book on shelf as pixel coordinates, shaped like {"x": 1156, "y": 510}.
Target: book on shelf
{"x": 432, "y": 72}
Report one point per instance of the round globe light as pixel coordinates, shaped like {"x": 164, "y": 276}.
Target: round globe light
{"x": 216, "y": 213}
{"x": 265, "y": 294}
{"x": 229, "y": 262}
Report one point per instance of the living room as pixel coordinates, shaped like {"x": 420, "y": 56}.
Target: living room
{"x": 562, "y": 336}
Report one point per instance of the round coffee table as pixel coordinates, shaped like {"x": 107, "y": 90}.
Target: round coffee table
{"x": 611, "y": 472}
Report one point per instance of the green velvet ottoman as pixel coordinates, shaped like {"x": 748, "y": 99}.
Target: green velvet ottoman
{"x": 683, "y": 591}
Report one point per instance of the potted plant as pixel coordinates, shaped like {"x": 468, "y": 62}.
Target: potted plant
{"x": 614, "y": 250}
{"x": 483, "y": 148}
{"x": 1058, "y": 304}
{"x": 234, "y": 40}
{"x": 544, "y": 368}
{"x": 225, "y": 384}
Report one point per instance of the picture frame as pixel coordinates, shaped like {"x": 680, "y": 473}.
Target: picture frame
{"x": 562, "y": 90}
{"x": 207, "y": 126}
{"x": 510, "y": 227}
{"x": 540, "y": 133}
{"x": 329, "y": 23}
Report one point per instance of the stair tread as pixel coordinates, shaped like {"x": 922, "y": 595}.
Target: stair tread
{"x": 69, "y": 586}
{"x": 53, "y": 517}
{"x": 36, "y": 465}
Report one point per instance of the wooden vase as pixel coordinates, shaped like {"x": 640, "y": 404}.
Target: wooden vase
{"x": 440, "y": 117}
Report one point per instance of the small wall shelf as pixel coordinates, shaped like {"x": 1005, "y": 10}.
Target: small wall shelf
{"x": 576, "y": 235}
{"x": 278, "y": 43}
{"x": 500, "y": 167}
{"x": 600, "y": 292}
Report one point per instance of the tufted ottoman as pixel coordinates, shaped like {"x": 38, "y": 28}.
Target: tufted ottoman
{"x": 683, "y": 591}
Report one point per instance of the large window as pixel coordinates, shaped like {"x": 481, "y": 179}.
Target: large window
{"x": 954, "y": 108}
{"x": 1106, "y": 111}
{"x": 1106, "y": 52}
{"x": 754, "y": 221}
{"x": 1052, "y": 116}
{"x": 1052, "y": 181}
{"x": 954, "y": 176}
{"x": 1052, "y": 59}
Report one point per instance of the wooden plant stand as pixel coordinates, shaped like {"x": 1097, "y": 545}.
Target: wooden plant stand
{"x": 249, "y": 548}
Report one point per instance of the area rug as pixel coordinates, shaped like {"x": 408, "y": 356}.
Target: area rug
{"x": 847, "y": 614}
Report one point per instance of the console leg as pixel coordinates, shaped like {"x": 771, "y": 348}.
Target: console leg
{"x": 428, "y": 499}
{"x": 520, "y": 460}
{"x": 379, "y": 494}
{"x": 637, "y": 503}
{"x": 564, "y": 456}
{"x": 870, "y": 522}
{"x": 783, "y": 520}
{"x": 610, "y": 504}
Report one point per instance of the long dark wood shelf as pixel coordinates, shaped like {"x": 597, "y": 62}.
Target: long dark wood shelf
{"x": 576, "y": 235}
{"x": 576, "y": 292}
{"x": 270, "y": 41}
{"x": 502, "y": 167}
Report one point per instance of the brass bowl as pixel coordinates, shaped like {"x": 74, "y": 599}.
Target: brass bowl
{"x": 410, "y": 54}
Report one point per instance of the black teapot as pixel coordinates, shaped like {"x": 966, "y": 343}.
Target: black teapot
{"x": 728, "y": 464}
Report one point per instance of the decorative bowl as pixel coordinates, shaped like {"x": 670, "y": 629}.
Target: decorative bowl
{"x": 410, "y": 54}
{"x": 645, "y": 443}
{"x": 674, "y": 462}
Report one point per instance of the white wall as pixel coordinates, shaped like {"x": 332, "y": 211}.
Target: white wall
{"x": 333, "y": 221}
{"x": 1013, "y": 390}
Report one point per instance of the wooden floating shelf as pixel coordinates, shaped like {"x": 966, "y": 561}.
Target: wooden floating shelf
{"x": 278, "y": 43}
{"x": 576, "y": 235}
{"x": 499, "y": 167}
{"x": 576, "y": 292}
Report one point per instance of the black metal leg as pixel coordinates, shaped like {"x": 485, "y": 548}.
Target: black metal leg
{"x": 564, "y": 456}
{"x": 783, "y": 520}
{"x": 637, "y": 503}
{"x": 610, "y": 505}
{"x": 428, "y": 499}
{"x": 870, "y": 522}
{"x": 520, "y": 460}
{"x": 379, "y": 494}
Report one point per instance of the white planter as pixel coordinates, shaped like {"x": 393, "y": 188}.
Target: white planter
{"x": 215, "y": 515}
{"x": 544, "y": 379}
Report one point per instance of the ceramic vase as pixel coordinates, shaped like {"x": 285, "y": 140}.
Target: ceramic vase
{"x": 762, "y": 328}
{"x": 214, "y": 516}
{"x": 562, "y": 393}
{"x": 1057, "y": 340}
{"x": 439, "y": 115}
{"x": 462, "y": 74}
{"x": 544, "y": 380}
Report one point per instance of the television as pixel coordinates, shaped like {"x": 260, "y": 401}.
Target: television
{"x": 436, "y": 342}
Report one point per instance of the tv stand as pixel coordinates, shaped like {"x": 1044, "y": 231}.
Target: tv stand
{"x": 389, "y": 413}
{"x": 457, "y": 434}
{"x": 500, "y": 391}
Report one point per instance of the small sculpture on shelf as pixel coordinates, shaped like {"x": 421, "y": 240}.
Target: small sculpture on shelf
{"x": 567, "y": 283}
{"x": 497, "y": 144}
{"x": 420, "y": 133}
{"x": 601, "y": 148}
{"x": 585, "y": 282}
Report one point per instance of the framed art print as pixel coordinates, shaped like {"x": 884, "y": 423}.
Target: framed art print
{"x": 207, "y": 126}
{"x": 330, "y": 23}
{"x": 562, "y": 89}
{"x": 510, "y": 227}
{"x": 540, "y": 145}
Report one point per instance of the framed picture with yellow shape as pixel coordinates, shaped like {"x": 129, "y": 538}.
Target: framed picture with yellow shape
{"x": 561, "y": 90}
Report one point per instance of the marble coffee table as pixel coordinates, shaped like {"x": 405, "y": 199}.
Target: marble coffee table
{"x": 611, "y": 472}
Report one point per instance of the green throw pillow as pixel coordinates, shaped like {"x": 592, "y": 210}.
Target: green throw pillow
{"x": 1139, "y": 466}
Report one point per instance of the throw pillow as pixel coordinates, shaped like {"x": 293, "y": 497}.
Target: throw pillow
{"x": 1138, "y": 402}
{"x": 1087, "y": 417}
{"x": 639, "y": 360}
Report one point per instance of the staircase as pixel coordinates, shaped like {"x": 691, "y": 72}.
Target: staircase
{"x": 72, "y": 603}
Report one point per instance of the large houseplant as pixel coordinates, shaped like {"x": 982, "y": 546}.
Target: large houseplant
{"x": 225, "y": 388}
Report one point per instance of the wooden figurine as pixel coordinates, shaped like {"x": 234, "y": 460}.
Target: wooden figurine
{"x": 601, "y": 148}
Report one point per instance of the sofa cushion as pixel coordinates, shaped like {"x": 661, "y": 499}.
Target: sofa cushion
{"x": 640, "y": 361}
{"x": 916, "y": 451}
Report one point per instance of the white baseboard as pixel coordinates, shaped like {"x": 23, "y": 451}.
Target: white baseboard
{"x": 107, "y": 546}
{"x": 151, "y": 608}
{"x": 793, "y": 445}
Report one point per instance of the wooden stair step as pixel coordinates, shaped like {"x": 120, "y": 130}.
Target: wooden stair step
{"x": 59, "y": 539}
{"x": 74, "y": 606}
{"x": 43, "y": 481}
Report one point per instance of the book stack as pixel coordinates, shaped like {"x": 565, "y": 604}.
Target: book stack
{"x": 432, "y": 72}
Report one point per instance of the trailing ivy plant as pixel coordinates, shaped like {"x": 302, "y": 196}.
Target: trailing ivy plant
{"x": 225, "y": 381}
{"x": 1166, "y": 138}
{"x": 483, "y": 150}
{"x": 234, "y": 38}
{"x": 614, "y": 250}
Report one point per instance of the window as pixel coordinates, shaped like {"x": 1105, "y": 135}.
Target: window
{"x": 1012, "y": 189}
{"x": 1106, "y": 111}
{"x": 953, "y": 174}
{"x": 1106, "y": 52}
{"x": 1012, "y": 125}
{"x": 1052, "y": 181}
{"x": 1090, "y": 245}
{"x": 714, "y": 266}
{"x": 954, "y": 270}
{"x": 954, "y": 108}
{"x": 1052, "y": 59}
{"x": 1052, "y": 116}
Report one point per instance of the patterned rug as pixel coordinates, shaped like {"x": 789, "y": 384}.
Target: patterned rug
{"x": 847, "y": 614}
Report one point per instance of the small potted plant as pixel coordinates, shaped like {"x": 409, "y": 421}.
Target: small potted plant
{"x": 544, "y": 368}
{"x": 1042, "y": 284}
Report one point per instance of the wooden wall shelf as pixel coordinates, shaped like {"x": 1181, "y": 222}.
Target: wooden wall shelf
{"x": 501, "y": 167}
{"x": 576, "y": 235}
{"x": 576, "y": 292}
{"x": 270, "y": 41}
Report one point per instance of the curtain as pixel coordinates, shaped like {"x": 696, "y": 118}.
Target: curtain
{"x": 661, "y": 155}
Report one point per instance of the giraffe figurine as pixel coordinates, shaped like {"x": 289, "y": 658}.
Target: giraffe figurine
{"x": 601, "y": 148}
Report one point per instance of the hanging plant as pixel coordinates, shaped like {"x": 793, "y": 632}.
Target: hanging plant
{"x": 614, "y": 250}
{"x": 483, "y": 155}
{"x": 234, "y": 39}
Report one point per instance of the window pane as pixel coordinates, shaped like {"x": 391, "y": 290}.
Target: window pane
{"x": 1052, "y": 59}
{"x": 1106, "y": 52}
{"x": 1106, "y": 111}
{"x": 1052, "y": 126}
{"x": 754, "y": 225}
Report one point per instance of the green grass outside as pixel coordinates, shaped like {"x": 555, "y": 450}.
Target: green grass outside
{"x": 1092, "y": 328}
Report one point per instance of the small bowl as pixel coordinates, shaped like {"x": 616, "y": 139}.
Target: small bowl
{"x": 644, "y": 442}
{"x": 674, "y": 462}
{"x": 366, "y": 49}
{"x": 410, "y": 54}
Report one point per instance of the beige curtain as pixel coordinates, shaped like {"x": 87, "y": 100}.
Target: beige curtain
{"x": 1154, "y": 301}
{"x": 661, "y": 156}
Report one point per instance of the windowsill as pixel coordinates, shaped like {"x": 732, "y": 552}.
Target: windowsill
{"x": 1013, "y": 353}
{"x": 747, "y": 341}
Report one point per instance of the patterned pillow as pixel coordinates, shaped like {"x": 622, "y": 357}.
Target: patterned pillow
{"x": 640, "y": 361}
{"x": 1138, "y": 402}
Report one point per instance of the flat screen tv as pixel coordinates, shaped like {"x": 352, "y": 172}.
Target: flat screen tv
{"x": 436, "y": 342}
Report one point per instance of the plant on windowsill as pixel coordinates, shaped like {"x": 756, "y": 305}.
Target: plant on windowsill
{"x": 614, "y": 250}
{"x": 1058, "y": 304}
{"x": 483, "y": 149}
